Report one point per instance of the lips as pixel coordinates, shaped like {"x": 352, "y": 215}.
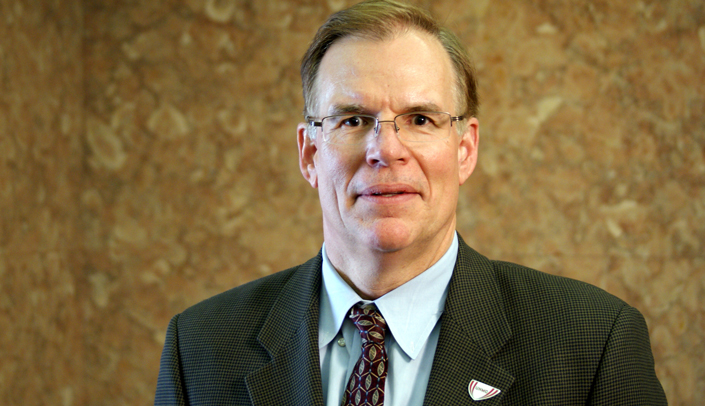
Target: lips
{"x": 387, "y": 191}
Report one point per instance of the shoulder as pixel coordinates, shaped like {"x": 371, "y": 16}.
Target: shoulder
{"x": 521, "y": 284}
{"x": 533, "y": 299}
{"x": 250, "y": 303}
{"x": 556, "y": 309}
{"x": 255, "y": 294}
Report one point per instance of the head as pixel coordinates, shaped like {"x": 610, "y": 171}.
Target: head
{"x": 387, "y": 194}
{"x": 381, "y": 19}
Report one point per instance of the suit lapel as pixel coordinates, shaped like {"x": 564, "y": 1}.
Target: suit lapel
{"x": 290, "y": 336}
{"x": 473, "y": 329}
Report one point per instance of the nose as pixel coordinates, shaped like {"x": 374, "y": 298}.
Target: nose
{"x": 385, "y": 147}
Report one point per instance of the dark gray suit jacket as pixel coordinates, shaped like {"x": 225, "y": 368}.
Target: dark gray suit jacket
{"x": 540, "y": 339}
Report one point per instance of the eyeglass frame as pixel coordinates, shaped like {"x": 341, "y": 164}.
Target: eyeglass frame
{"x": 311, "y": 121}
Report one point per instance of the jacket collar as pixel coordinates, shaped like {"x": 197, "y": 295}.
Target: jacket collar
{"x": 290, "y": 337}
{"x": 474, "y": 328}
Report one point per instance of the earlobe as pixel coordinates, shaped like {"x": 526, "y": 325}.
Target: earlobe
{"x": 307, "y": 153}
{"x": 467, "y": 150}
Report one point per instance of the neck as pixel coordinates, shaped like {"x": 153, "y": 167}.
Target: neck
{"x": 373, "y": 273}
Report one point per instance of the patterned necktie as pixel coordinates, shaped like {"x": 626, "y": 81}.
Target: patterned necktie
{"x": 366, "y": 384}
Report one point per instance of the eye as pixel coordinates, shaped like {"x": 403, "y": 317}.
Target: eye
{"x": 353, "y": 121}
{"x": 420, "y": 120}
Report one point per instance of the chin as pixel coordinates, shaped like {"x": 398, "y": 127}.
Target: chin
{"x": 390, "y": 235}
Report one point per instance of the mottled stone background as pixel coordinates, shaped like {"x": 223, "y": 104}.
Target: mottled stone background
{"x": 148, "y": 161}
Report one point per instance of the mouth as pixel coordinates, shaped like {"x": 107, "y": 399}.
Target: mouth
{"x": 387, "y": 191}
{"x": 388, "y": 194}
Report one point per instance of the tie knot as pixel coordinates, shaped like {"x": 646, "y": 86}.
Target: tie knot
{"x": 369, "y": 322}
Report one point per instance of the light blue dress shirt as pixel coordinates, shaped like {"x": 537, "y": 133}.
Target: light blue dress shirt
{"x": 412, "y": 312}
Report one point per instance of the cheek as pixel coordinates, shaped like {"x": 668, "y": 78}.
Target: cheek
{"x": 334, "y": 169}
{"x": 440, "y": 166}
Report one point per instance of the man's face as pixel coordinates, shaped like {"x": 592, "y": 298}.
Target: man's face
{"x": 387, "y": 194}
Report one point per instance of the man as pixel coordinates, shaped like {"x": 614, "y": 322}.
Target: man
{"x": 396, "y": 309}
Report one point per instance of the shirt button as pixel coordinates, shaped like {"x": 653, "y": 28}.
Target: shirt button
{"x": 341, "y": 342}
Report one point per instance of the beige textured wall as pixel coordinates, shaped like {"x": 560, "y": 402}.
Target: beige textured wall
{"x": 147, "y": 161}
{"x": 42, "y": 287}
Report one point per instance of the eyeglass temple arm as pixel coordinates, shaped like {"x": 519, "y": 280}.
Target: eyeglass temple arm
{"x": 458, "y": 118}
{"x": 313, "y": 122}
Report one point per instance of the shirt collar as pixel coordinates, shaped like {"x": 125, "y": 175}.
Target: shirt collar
{"x": 411, "y": 310}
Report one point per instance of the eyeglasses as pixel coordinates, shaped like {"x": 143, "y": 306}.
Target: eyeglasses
{"x": 417, "y": 126}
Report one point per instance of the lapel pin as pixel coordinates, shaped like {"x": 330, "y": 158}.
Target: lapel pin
{"x": 481, "y": 391}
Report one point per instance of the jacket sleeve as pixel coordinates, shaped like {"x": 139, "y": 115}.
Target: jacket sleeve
{"x": 170, "y": 389}
{"x": 626, "y": 373}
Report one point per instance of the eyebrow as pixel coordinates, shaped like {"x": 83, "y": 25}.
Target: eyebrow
{"x": 348, "y": 108}
{"x": 360, "y": 109}
{"x": 424, "y": 107}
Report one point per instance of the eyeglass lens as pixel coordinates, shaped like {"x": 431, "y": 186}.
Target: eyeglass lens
{"x": 414, "y": 127}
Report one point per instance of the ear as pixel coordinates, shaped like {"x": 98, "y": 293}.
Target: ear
{"x": 307, "y": 152}
{"x": 467, "y": 149}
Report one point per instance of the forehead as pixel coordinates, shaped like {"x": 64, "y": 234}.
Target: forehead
{"x": 399, "y": 73}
